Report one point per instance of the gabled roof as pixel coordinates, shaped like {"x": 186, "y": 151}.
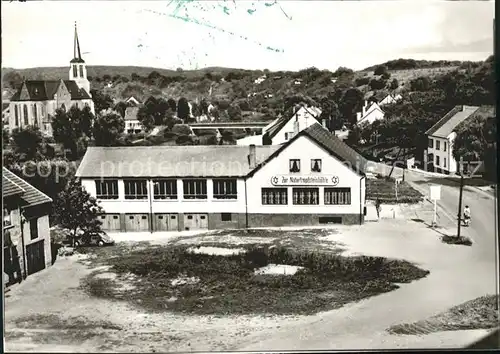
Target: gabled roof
{"x": 445, "y": 126}
{"x": 43, "y": 90}
{"x": 172, "y": 161}
{"x": 31, "y": 195}
{"x": 279, "y": 123}
{"x": 131, "y": 113}
{"x": 10, "y": 188}
{"x": 328, "y": 141}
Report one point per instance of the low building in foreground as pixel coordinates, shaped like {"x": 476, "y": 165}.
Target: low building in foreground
{"x": 27, "y": 248}
{"x": 312, "y": 179}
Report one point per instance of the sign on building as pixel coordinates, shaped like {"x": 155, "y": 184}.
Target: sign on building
{"x": 290, "y": 180}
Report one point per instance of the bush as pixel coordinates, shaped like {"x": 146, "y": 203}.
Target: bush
{"x": 380, "y": 70}
{"x": 454, "y": 240}
{"x": 362, "y": 81}
{"x": 170, "y": 135}
{"x": 181, "y": 129}
{"x": 186, "y": 140}
{"x": 377, "y": 84}
{"x": 386, "y": 76}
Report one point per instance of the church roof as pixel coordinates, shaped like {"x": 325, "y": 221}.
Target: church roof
{"x": 77, "y": 55}
{"x": 44, "y": 90}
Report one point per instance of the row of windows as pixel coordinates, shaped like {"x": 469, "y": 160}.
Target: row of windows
{"x": 21, "y": 111}
{"x": 294, "y": 165}
{"x": 438, "y": 144}
{"x": 75, "y": 70}
{"x": 438, "y": 161}
{"x": 306, "y": 196}
{"x": 167, "y": 189}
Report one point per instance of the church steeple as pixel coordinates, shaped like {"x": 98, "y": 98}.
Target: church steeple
{"x": 78, "y": 69}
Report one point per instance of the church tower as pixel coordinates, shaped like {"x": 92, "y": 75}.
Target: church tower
{"x": 78, "y": 69}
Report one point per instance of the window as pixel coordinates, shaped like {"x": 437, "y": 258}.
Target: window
{"x": 25, "y": 109}
{"x": 7, "y": 219}
{"x": 195, "y": 188}
{"x": 431, "y": 143}
{"x": 165, "y": 189}
{"x": 35, "y": 116}
{"x": 337, "y": 196}
{"x": 136, "y": 189}
{"x": 16, "y": 116}
{"x": 225, "y": 189}
{"x": 225, "y": 216}
{"x": 444, "y": 145}
{"x": 437, "y": 160}
{"x": 294, "y": 165}
{"x": 274, "y": 196}
{"x": 81, "y": 70}
{"x": 306, "y": 196}
{"x": 34, "y": 228}
{"x": 106, "y": 189}
{"x": 289, "y": 135}
{"x": 444, "y": 162}
{"x": 316, "y": 165}
{"x": 75, "y": 71}
{"x": 438, "y": 145}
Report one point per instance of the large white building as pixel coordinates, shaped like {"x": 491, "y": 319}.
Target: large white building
{"x": 285, "y": 127}
{"x": 312, "y": 179}
{"x": 36, "y": 101}
{"x": 439, "y": 154}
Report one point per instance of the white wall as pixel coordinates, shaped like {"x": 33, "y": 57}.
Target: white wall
{"x": 180, "y": 205}
{"x": 43, "y": 233}
{"x": 305, "y": 150}
{"x": 371, "y": 116}
{"x": 304, "y": 119}
{"x": 451, "y": 164}
{"x": 249, "y": 140}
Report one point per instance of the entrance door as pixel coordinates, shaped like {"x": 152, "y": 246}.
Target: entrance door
{"x": 137, "y": 222}
{"x": 35, "y": 256}
{"x": 195, "y": 221}
{"x": 110, "y": 222}
{"x": 166, "y": 222}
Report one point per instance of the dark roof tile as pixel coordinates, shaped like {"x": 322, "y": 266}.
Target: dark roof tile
{"x": 31, "y": 196}
{"x": 10, "y": 188}
{"x": 39, "y": 90}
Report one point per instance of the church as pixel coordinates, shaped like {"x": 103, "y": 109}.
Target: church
{"x": 36, "y": 101}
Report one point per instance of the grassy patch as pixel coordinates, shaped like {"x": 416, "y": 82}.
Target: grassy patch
{"x": 384, "y": 189}
{"x": 228, "y": 285}
{"x": 453, "y": 240}
{"x": 480, "y": 313}
{"x": 52, "y": 321}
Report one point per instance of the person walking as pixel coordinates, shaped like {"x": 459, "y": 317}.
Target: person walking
{"x": 378, "y": 207}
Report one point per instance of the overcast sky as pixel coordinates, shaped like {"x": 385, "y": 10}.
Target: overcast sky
{"x": 281, "y": 35}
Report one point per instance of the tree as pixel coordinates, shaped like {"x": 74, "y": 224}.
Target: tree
{"x": 386, "y": 76}
{"x": 380, "y": 70}
{"x": 291, "y": 101}
{"x": 121, "y": 107}
{"x": 394, "y": 84}
{"x": 342, "y": 71}
{"x": 172, "y": 104}
{"x": 145, "y": 117}
{"x": 204, "y": 106}
{"x": 101, "y": 100}
{"x": 69, "y": 127}
{"x": 76, "y": 209}
{"x": 234, "y": 112}
{"x": 13, "y": 78}
{"x": 183, "y": 108}
{"x": 351, "y": 102}
{"x": 377, "y": 84}
{"x": 108, "y": 128}
{"x": 5, "y": 137}
{"x": 195, "y": 109}
{"x": 27, "y": 143}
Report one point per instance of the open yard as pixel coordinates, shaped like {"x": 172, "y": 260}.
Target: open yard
{"x": 226, "y": 290}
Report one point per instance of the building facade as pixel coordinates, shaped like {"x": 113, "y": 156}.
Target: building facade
{"x": 132, "y": 124}
{"x": 312, "y": 179}
{"x": 369, "y": 113}
{"x": 284, "y": 128}
{"x": 36, "y": 101}
{"x": 27, "y": 247}
{"x": 438, "y": 157}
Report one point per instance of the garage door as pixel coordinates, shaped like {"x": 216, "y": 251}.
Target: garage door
{"x": 166, "y": 222}
{"x": 137, "y": 222}
{"x": 196, "y": 221}
{"x": 110, "y": 222}
{"x": 35, "y": 256}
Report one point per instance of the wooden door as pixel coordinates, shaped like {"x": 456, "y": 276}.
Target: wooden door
{"x": 35, "y": 256}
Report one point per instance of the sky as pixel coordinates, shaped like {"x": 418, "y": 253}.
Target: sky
{"x": 274, "y": 35}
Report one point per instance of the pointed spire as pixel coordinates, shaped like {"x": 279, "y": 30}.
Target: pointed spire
{"x": 77, "y": 53}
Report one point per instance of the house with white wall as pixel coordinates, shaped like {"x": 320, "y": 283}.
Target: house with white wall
{"x": 312, "y": 179}
{"x": 132, "y": 123}
{"x": 27, "y": 246}
{"x": 284, "y": 128}
{"x": 370, "y": 112}
{"x": 438, "y": 157}
{"x": 132, "y": 101}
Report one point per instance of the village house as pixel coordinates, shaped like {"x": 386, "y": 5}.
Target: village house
{"x": 312, "y": 179}
{"x": 370, "y": 112}
{"x": 27, "y": 247}
{"x": 438, "y": 157}
{"x": 384, "y": 98}
{"x": 132, "y": 101}
{"x": 285, "y": 127}
{"x": 36, "y": 101}
{"x": 132, "y": 123}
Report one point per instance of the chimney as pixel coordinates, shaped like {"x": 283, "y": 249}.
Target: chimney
{"x": 252, "y": 161}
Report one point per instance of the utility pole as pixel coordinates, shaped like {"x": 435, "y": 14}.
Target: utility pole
{"x": 460, "y": 203}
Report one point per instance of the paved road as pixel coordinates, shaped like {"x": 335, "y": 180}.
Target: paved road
{"x": 467, "y": 274}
